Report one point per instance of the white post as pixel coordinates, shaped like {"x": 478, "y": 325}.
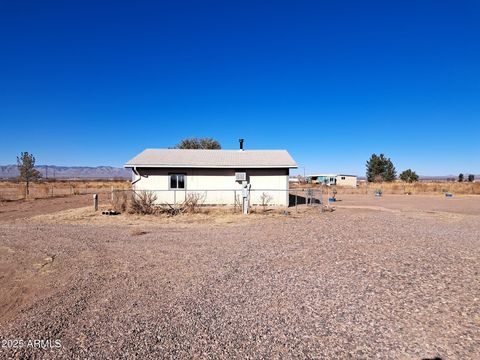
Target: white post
{"x": 95, "y": 202}
{"x": 245, "y": 197}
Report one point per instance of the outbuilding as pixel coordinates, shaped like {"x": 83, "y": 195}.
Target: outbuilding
{"x": 219, "y": 177}
{"x": 334, "y": 179}
{"x": 346, "y": 180}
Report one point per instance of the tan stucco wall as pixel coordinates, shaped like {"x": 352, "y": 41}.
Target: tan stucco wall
{"x": 348, "y": 181}
{"x": 216, "y": 185}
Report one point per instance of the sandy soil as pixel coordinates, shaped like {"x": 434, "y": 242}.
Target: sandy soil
{"x": 353, "y": 283}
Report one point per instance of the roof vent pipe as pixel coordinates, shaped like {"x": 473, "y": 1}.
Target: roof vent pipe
{"x": 241, "y": 144}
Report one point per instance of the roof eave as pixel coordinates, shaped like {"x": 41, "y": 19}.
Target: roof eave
{"x": 128, "y": 166}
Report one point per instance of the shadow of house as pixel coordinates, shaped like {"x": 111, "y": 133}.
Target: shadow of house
{"x": 297, "y": 199}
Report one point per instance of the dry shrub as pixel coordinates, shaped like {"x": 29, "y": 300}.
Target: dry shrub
{"x": 193, "y": 202}
{"x": 172, "y": 210}
{"x": 143, "y": 203}
{"x": 120, "y": 202}
{"x": 265, "y": 198}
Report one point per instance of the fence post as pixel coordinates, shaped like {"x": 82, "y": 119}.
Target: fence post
{"x": 234, "y": 201}
{"x": 111, "y": 196}
{"x": 95, "y": 202}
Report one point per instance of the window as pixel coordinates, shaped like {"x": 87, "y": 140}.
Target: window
{"x": 177, "y": 181}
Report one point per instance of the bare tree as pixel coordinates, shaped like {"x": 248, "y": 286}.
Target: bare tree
{"x": 26, "y": 168}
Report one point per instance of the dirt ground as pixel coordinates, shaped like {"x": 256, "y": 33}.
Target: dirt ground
{"x": 19, "y": 209}
{"x": 460, "y": 204}
{"x": 390, "y": 278}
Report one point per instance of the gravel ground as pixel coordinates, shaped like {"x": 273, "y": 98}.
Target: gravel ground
{"x": 458, "y": 204}
{"x": 354, "y": 283}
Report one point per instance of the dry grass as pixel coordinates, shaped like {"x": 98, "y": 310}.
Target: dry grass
{"x": 12, "y": 190}
{"x": 463, "y": 188}
{"x": 399, "y": 187}
{"x": 44, "y": 190}
{"x": 206, "y": 216}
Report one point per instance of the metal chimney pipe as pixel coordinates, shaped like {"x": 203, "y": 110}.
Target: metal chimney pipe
{"x": 241, "y": 143}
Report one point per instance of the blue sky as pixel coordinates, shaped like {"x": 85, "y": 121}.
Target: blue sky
{"x": 94, "y": 83}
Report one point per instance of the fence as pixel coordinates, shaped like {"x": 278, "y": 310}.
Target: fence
{"x": 228, "y": 197}
{"x": 11, "y": 191}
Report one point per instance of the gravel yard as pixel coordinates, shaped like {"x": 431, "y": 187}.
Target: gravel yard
{"x": 353, "y": 283}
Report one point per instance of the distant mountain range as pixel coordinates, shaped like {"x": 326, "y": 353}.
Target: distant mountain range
{"x": 109, "y": 172}
{"x": 70, "y": 172}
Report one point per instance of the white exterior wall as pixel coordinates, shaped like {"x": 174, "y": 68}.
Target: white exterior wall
{"x": 215, "y": 185}
{"x": 350, "y": 181}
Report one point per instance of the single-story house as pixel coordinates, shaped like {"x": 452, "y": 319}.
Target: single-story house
{"x": 334, "y": 179}
{"x": 327, "y": 179}
{"x": 217, "y": 175}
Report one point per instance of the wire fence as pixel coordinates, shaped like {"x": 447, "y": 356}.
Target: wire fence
{"x": 228, "y": 197}
{"x": 12, "y": 191}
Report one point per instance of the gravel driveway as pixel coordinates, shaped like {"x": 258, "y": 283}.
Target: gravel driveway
{"x": 349, "y": 284}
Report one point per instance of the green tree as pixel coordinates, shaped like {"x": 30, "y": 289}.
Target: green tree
{"x": 380, "y": 168}
{"x": 471, "y": 177}
{"x": 460, "y": 177}
{"x": 198, "y": 143}
{"x": 26, "y": 168}
{"x": 409, "y": 176}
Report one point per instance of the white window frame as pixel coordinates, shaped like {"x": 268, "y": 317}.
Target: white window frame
{"x": 176, "y": 175}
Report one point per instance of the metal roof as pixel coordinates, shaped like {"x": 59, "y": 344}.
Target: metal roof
{"x": 183, "y": 158}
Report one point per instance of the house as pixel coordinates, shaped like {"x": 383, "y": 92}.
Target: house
{"x": 327, "y": 179}
{"x": 334, "y": 179}
{"x": 218, "y": 176}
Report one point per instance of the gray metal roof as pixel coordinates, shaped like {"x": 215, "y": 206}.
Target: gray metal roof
{"x": 180, "y": 158}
